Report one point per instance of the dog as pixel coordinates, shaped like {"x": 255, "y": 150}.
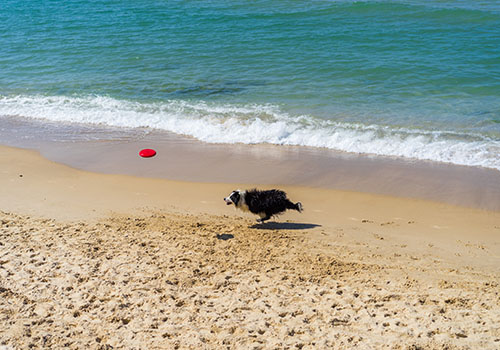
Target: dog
{"x": 263, "y": 203}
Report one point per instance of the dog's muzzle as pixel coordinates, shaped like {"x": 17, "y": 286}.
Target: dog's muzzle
{"x": 228, "y": 201}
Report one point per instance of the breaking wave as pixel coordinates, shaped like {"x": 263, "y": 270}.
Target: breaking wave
{"x": 254, "y": 123}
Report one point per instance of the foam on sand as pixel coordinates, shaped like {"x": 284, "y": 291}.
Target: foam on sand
{"x": 254, "y": 123}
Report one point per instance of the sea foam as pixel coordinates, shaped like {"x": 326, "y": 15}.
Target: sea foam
{"x": 254, "y": 123}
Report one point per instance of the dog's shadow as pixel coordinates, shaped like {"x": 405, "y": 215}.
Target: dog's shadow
{"x": 284, "y": 226}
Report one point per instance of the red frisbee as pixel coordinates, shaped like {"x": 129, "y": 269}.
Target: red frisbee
{"x": 147, "y": 153}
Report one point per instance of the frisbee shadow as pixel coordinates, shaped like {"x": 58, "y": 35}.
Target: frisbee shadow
{"x": 284, "y": 226}
{"x": 225, "y": 236}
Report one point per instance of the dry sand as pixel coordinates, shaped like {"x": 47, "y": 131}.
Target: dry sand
{"x": 92, "y": 261}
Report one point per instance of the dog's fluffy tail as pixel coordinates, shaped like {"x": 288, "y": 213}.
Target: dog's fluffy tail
{"x": 298, "y": 207}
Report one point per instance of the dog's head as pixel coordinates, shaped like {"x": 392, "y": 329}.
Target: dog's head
{"x": 233, "y": 198}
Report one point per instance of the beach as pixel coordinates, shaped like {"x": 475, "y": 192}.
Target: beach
{"x": 382, "y": 118}
{"x": 92, "y": 260}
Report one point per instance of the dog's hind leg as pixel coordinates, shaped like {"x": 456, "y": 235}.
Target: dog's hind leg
{"x": 298, "y": 207}
{"x": 295, "y": 206}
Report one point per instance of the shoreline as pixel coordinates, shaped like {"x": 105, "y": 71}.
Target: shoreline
{"x": 185, "y": 159}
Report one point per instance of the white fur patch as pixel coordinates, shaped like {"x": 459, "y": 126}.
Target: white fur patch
{"x": 242, "y": 204}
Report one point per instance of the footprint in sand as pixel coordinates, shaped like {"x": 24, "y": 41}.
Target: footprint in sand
{"x": 387, "y": 223}
{"x": 377, "y": 236}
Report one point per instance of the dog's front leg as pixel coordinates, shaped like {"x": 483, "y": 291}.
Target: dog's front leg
{"x": 263, "y": 217}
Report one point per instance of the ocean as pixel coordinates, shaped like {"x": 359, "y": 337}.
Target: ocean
{"x": 415, "y": 79}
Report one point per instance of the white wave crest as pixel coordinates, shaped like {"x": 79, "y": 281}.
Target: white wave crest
{"x": 251, "y": 124}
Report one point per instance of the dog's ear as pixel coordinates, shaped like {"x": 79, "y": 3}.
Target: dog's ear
{"x": 235, "y": 197}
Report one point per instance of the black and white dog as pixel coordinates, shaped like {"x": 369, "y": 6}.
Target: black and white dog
{"x": 262, "y": 203}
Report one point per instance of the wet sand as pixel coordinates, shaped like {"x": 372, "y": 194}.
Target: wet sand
{"x": 185, "y": 159}
{"x": 101, "y": 261}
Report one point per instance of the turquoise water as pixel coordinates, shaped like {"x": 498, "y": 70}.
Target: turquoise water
{"x": 412, "y": 79}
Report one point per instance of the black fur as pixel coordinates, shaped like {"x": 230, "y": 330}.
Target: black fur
{"x": 235, "y": 197}
{"x": 264, "y": 203}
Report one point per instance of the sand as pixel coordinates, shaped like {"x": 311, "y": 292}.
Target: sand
{"x": 186, "y": 159}
{"x": 119, "y": 262}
